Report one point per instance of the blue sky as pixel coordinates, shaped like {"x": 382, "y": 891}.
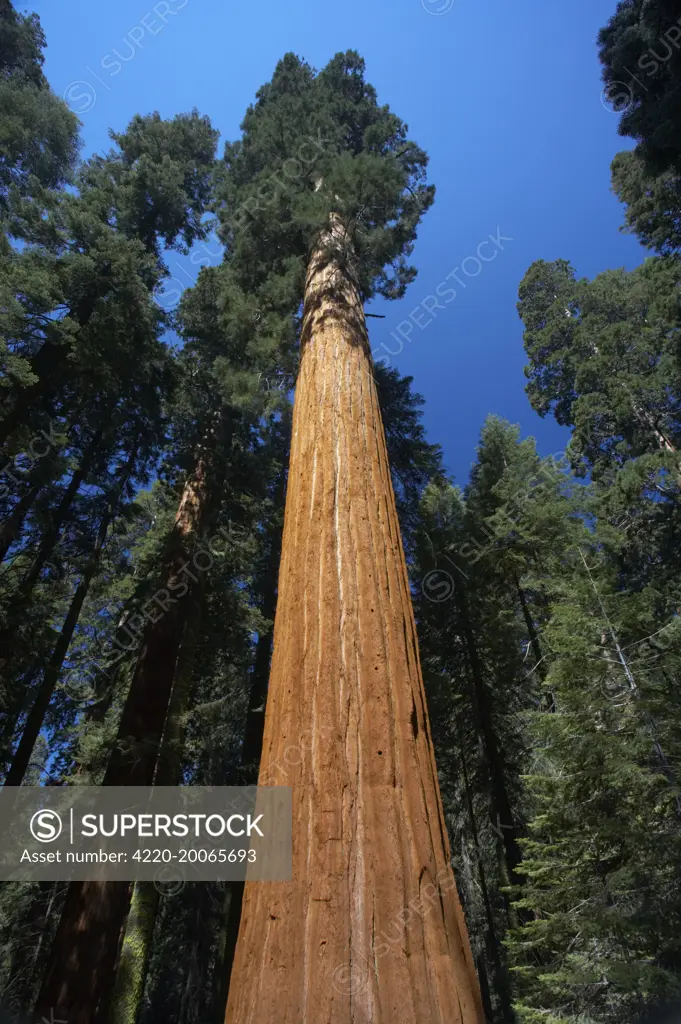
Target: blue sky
{"x": 506, "y": 99}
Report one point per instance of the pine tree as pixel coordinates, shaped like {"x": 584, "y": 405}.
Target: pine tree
{"x": 602, "y": 855}
{"x": 480, "y": 616}
{"x": 604, "y": 786}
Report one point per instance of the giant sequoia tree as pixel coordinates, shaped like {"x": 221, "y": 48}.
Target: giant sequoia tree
{"x": 368, "y": 829}
{"x": 547, "y": 607}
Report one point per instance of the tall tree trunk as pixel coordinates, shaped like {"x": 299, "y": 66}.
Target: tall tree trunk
{"x": 193, "y": 999}
{"x": 39, "y": 477}
{"x": 13, "y": 704}
{"x": 51, "y": 536}
{"x": 20, "y": 600}
{"x": 539, "y": 664}
{"x": 501, "y": 810}
{"x": 492, "y": 943}
{"x": 529, "y": 623}
{"x": 131, "y": 974}
{"x": 86, "y": 945}
{"x": 368, "y": 827}
{"x": 11, "y": 525}
{"x": 134, "y": 959}
{"x": 224, "y": 955}
{"x": 36, "y": 715}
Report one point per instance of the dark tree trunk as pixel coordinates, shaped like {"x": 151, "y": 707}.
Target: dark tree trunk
{"x": 84, "y": 953}
{"x": 502, "y": 815}
{"x": 539, "y": 665}
{"x": 251, "y": 751}
{"x": 14, "y": 702}
{"x": 41, "y": 474}
{"x": 127, "y": 988}
{"x": 10, "y": 528}
{"x": 493, "y": 946}
{"x": 52, "y": 535}
{"x": 36, "y": 715}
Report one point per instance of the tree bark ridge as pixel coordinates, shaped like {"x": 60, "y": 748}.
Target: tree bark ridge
{"x": 339, "y": 943}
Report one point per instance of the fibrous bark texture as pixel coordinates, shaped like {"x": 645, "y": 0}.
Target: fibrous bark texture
{"x": 370, "y": 929}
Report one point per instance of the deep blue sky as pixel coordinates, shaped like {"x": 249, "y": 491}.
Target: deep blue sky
{"x": 505, "y": 97}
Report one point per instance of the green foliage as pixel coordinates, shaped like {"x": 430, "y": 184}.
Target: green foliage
{"x": 601, "y": 858}
{"x": 314, "y": 144}
{"x": 599, "y": 937}
{"x": 653, "y": 203}
{"x": 604, "y": 358}
{"x": 547, "y": 607}
{"x": 38, "y": 133}
{"x": 639, "y": 50}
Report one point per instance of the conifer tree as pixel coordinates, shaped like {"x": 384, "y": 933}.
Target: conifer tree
{"x": 652, "y": 202}
{"x": 480, "y": 618}
{"x": 603, "y": 358}
{"x": 605, "y": 778}
{"x": 38, "y": 133}
{"x": 601, "y": 859}
{"x": 343, "y": 574}
{"x": 639, "y": 50}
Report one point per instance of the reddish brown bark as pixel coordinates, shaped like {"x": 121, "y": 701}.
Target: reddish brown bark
{"x": 339, "y": 943}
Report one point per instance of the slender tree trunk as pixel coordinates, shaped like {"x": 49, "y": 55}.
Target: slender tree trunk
{"x": 224, "y": 953}
{"x": 196, "y": 952}
{"x": 36, "y": 715}
{"x": 251, "y": 750}
{"x": 86, "y": 945}
{"x": 250, "y": 761}
{"x": 40, "y": 476}
{"x": 501, "y": 811}
{"x": 11, "y": 525}
{"x": 368, "y": 826}
{"x": 104, "y": 681}
{"x": 20, "y": 600}
{"x": 134, "y": 959}
{"x": 51, "y": 537}
{"x": 194, "y": 999}
{"x": 539, "y": 665}
{"x": 529, "y": 623}
{"x": 13, "y": 706}
{"x": 492, "y": 944}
